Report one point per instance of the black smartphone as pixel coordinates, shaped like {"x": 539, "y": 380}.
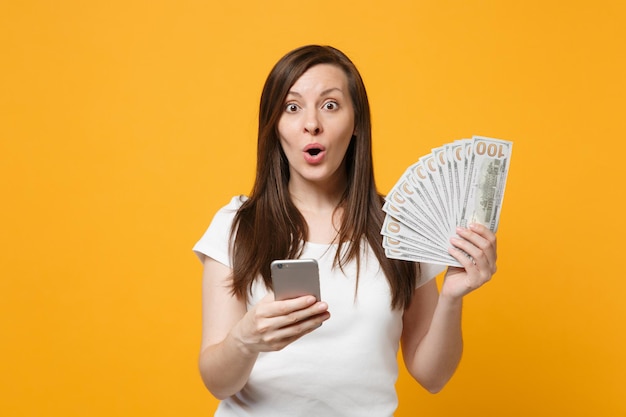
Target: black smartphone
{"x": 293, "y": 278}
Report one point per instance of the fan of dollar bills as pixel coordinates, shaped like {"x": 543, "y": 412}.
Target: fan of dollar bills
{"x": 457, "y": 184}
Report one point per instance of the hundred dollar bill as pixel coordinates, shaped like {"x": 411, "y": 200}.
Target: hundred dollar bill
{"x": 440, "y": 155}
{"x": 487, "y": 170}
{"x": 438, "y": 185}
{"x": 418, "y": 178}
{"x": 397, "y": 250}
{"x": 398, "y": 230}
{"x": 418, "y": 202}
{"x": 467, "y": 153}
{"x": 456, "y": 157}
{"x": 403, "y": 204}
{"x": 398, "y": 247}
{"x": 399, "y": 254}
{"x": 413, "y": 243}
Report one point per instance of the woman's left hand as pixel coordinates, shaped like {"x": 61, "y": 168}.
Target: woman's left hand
{"x": 476, "y": 251}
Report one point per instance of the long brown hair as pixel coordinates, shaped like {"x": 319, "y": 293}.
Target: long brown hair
{"x": 268, "y": 226}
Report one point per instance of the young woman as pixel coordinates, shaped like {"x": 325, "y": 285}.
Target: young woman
{"x": 315, "y": 197}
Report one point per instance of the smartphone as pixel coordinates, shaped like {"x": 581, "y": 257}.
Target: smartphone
{"x": 293, "y": 278}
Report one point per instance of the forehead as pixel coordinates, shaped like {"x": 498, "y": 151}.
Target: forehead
{"x": 320, "y": 78}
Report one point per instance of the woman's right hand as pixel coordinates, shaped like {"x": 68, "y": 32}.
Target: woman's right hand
{"x": 233, "y": 336}
{"x": 271, "y": 325}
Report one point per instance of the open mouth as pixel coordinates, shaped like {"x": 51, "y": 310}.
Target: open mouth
{"x": 314, "y": 153}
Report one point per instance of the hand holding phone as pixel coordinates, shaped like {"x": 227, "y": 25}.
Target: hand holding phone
{"x": 293, "y": 278}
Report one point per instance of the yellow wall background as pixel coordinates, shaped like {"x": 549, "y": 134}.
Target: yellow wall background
{"x": 124, "y": 125}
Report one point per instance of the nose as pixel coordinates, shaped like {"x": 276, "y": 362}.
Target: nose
{"x": 312, "y": 124}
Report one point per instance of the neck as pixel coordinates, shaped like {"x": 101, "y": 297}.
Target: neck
{"x": 319, "y": 207}
{"x": 316, "y": 197}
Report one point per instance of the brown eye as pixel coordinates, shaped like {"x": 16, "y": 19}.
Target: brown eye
{"x": 291, "y": 108}
{"x": 331, "y": 105}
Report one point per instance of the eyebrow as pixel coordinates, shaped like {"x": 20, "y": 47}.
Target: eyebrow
{"x": 323, "y": 93}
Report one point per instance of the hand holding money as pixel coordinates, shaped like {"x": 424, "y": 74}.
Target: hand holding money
{"x": 456, "y": 185}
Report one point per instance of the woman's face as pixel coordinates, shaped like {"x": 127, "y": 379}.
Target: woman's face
{"x": 317, "y": 125}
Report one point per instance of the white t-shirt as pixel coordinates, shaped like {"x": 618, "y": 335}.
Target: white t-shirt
{"x": 347, "y": 367}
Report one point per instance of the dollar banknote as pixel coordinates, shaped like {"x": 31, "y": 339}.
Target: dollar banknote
{"x": 486, "y": 180}
{"x": 457, "y": 184}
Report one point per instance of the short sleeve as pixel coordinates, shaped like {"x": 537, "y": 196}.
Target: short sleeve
{"x": 215, "y": 241}
{"x": 428, "y": 272}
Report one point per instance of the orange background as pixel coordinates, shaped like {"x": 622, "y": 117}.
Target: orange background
{"x": 125, "y": 125}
